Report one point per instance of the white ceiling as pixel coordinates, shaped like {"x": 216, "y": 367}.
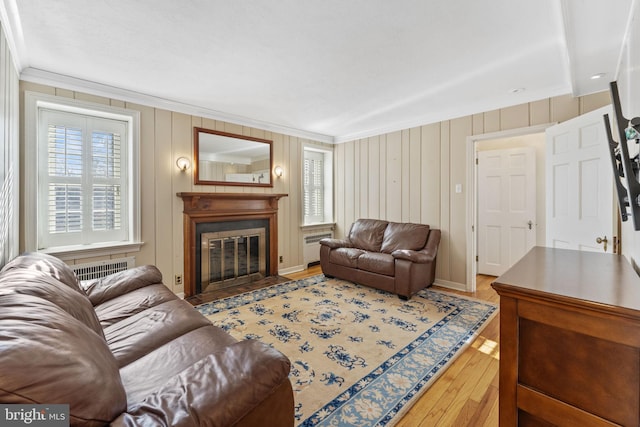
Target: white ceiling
{"x": 334, "y": 70}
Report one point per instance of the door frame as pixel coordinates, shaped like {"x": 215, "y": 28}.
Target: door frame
{"x": 472, "y": 194}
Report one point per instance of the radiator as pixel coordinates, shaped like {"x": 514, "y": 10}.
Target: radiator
{"x": 311, "y": 247}
{"x": 95, "y": 270}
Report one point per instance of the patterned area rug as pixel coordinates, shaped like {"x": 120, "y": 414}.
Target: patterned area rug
{"x": 360, "y": 357}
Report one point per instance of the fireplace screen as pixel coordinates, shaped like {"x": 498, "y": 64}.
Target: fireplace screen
{"x": 231, "y": 258}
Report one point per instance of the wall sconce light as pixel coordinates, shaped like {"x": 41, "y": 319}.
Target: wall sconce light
{"x": 278, "y": 171}
{"x": 183, "y": 163}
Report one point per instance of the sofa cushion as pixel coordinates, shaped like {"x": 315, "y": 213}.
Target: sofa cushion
{"x": 49, "y": 357}
{"x": 218, "y": 390}
{"x": 41, "y": 284}
{"x": 129, "y": 304}
{"x": 347, "y": 257}
{"x": 404, "y": 236}
{"x": 169, "y": 360}
{"x": 49, "y": 264}
{"x": 143, "y": 332}
{"x": 117, "y": 284}
{"x": 367, "y": 234}
{"x": 377, "y": 262}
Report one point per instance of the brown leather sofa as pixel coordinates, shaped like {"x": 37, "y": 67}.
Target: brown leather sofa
{"x": 125, "y": 350}
{"x": 395, "y": 257}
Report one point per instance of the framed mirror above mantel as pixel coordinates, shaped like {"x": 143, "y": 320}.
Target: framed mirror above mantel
{"x": 222, "y": 158}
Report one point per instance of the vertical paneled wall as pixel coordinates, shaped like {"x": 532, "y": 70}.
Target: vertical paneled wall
{"x": 9, "y": 154}
{"x": 167, "y": 135}
{"x": 410, "y": 175}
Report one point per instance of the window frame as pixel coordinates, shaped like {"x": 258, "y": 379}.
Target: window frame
{"x": 328, "y": 216}
{"x": 34, "y": 102}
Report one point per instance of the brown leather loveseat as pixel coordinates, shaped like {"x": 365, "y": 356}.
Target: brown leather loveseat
{"x": 125, "y": 350}
{"x": 392, "y": 256}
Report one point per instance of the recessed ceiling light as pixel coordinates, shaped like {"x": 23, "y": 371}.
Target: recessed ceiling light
{"x": 517, "y": 90}
{"x": 598, "y": 76}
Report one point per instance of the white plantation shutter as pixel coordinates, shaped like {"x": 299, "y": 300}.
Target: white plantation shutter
{"x": 106, "y": 165}
{"x": 83, "y": 185}
{"x": 64, "y": 195}
{"x": 317, "y": 187}
{"x": 313, "y": 197}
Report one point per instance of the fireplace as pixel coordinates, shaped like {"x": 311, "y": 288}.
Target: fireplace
{"x": 230, "y": 253}
{"x": 229, "y": 239}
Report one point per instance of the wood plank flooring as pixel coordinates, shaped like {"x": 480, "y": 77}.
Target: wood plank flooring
{"x": 466, "y": 394}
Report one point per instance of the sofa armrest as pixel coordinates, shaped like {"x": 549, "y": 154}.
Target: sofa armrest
{"x": 424, "y": 255}
{"x": 336, "y": 243}
{"x": 117, "y": 284}
{"x": 421, "y": 257}
{"x": 218, "y": 390}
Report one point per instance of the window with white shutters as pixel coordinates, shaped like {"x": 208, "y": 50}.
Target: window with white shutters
{"x": 316, "y": 186}
{"x": 82, "y": 179}
{"x": 313, "y": 187}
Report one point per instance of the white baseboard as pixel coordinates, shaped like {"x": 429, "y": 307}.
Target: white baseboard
{"x": 443, "y": 283}
{"x": 451, "y": 285}
{"x": 290, "y": 270}
{"x": 180, "y": 295}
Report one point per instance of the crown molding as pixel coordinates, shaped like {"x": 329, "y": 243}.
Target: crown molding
{"x": 48, "y": 78}
{"x": 13, "y": 32}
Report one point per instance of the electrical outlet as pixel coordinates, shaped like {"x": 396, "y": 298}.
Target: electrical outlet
{"x": 178, "y": 279}
{"x": 281, "y": 258}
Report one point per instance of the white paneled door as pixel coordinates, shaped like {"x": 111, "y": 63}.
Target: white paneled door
{"x": 580, "y": 204}
{"x": 506, "y": 207}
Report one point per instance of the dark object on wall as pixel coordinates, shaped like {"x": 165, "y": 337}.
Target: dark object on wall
{"x": 625, "y": 168}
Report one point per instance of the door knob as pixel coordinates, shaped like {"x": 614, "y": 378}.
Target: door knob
{"x": 602, "y": 240}
{"x": 530, "y": 224}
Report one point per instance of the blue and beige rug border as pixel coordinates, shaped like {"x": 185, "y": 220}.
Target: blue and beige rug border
{"x": 404, "y": 404}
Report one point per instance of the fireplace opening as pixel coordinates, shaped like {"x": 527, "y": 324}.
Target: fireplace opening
{"x": 232, "y": 257}
{"x": 231, "y": 253}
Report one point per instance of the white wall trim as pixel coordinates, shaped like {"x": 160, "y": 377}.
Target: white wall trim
{"x": 439, "y": 282}
{"x": 451, "y": 285}
{"x": 10, "y": 186}
{"x": 13, "y": 31}
{"x": 290, "y": 270}
{"x": 70, "y": 83}
{"x": 77, "y": 253}
{"x": 472, "y": 201}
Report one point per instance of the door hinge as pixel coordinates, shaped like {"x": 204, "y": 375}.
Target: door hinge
{"x": 476, "y": 160}
{"x": 476, "y": 258}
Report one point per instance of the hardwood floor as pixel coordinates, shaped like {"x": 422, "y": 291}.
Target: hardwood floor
{"x": 466, "y": 394}
{"x": 227, "y": 292}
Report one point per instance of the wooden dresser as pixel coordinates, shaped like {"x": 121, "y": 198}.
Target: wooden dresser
{"x": 569, "y": 340}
